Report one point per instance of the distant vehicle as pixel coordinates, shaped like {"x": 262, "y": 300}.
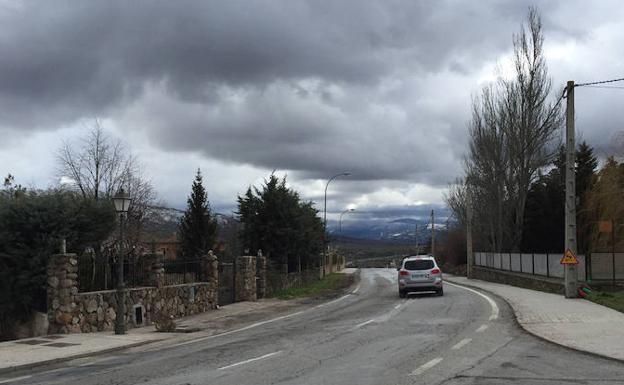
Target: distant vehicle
{"x": 419, "y": 273}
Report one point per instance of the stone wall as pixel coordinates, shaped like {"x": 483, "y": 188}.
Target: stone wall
{"x": 72, "y": 312}
{"x": 62, "y": 288}
{"x": 96, "y": 311}
{"x": 245, "y": 279}
{"x": 528, "y": 281}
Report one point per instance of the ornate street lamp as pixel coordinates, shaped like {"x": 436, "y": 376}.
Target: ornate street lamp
{"x": 122, "y": 204}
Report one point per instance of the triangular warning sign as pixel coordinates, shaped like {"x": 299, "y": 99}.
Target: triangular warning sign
{"x": 569, "y": 258}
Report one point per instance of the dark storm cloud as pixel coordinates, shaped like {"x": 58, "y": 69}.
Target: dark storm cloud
{"x": 315, "y": 87}
{"x": 78, "y": 59}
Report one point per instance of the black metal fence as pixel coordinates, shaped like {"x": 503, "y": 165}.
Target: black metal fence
{"x": 179, "y": 271}
{"x": 101, "y": 274}
{"x": 227, "y": 281}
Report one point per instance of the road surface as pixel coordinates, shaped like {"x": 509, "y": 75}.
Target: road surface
{"x": 369, "y": 336}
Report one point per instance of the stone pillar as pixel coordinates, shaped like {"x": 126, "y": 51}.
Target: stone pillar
{"x": 155, "y": 269}
{"x": 245, "y": 279}
{"x": 62, "y": 287}
{"x": 261, "y": 268}
{"x": 210, "y": 274}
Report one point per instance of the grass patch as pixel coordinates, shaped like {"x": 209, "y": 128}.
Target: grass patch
{"x": 325, "y": 286}
{"x": 613, "y": 300}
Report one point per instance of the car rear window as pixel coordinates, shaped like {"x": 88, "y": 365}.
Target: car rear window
{"x": 419, "y": 264}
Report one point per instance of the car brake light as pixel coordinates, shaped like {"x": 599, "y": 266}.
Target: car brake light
{"x": 403, "y": 272}
{"x": 435, "y": 271}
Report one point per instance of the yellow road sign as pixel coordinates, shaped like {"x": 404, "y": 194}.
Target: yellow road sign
{"x": 569, "y": 258}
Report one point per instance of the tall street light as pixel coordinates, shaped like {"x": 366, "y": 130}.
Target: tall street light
{"x": 325, "y": 219}
{"x": 340, "y": 221}
{"x": 122, "y": 204}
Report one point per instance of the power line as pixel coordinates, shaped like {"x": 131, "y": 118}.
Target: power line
{"x": 607, "y": 87}
{"x": 599, "y": 82}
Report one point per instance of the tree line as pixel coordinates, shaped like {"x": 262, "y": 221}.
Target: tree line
{"x": 514, "y": 171}
{"x": 273, "y": 218}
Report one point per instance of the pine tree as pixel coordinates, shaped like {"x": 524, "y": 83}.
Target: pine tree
{"x": 198, "y": 228}
{"x": 586, "y": 164}
{"x": 276, "y": 220}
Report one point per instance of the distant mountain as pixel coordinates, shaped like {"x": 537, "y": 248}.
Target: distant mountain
{"x": 162, "y": 223}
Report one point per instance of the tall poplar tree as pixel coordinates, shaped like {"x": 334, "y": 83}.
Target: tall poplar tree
{"x": 198, "y": 227}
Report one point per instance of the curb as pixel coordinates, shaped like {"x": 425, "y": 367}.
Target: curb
{"x": 541, "y": 338}
{"x": 32, "y": 365}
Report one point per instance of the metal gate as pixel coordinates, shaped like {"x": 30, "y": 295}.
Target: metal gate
{"x": 226, "y": 283}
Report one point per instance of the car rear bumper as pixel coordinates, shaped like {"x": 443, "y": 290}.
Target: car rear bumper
{"x": 421, "y": 286}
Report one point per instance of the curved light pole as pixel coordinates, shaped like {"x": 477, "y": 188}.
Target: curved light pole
{"x": 322, "y": 264}
{"x": 340, "y": 221}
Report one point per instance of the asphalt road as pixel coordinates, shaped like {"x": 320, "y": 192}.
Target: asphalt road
{"x": 369, "y": 336}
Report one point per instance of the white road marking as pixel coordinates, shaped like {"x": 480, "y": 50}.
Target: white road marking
{"x": 421, "y": 369}
{"x": 15, "y": 379}
{"x": 249, "y": 360}
{"x": 397, "y": 306}
{"x": 330, "y": 302}
{"x": 493, "y": 304}
{"x": 364, "y": 323}
{"x": 356, "y": 289}
{"x": 482, "y": 328}
{"x": 257, "y": 324}
{"x": 461, "y": 343}
{"x": 236, "y": 330}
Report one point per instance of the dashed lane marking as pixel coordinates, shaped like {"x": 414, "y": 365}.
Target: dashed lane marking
{"x": 249, "y": 360}
{"x": 461, "y": 344}
{"x": 364, "y": 323}
{"x": 482, "y": 328}
{"x": 493, "y": 304}
{"x": 357, "y": 288}
{"x": 257, "y": 323}
{"x": 424, "y": 367}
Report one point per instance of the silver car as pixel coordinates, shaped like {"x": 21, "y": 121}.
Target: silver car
{"x": 419, "y": 273}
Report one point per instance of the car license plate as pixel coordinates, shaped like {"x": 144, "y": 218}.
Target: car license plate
{"x": 419, "y": 276}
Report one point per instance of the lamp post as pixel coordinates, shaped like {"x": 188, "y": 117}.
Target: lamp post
{"x": 122, "y": 203}
{"x": 340, "y": 221}
{"x": 322, "y": 264}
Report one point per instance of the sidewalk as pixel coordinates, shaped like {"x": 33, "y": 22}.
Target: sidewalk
{"x": 31, "y": 352}
{"x": 27, "y": 353}
{"x": 574, "y": 323}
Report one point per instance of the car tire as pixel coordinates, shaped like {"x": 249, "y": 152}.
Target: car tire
{"x": 440, "y": 292}
{"x": 401, "y": 294}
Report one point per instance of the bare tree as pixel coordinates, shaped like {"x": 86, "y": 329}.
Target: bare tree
{"x": 511, "y": 135}
{"x": 531, "y": 123}
{"x": 98, "y": 166}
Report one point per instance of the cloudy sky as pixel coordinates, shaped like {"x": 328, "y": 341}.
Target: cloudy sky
{"x": 308, "y": 88}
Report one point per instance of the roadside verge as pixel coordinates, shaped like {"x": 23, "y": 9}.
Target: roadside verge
{"x": 573, "y": 323}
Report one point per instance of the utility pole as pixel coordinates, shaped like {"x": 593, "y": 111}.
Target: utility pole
{"x": 432, "y": 234}
{"x": 416, "y": 238}
{"x": 569, "y": 270}
{"x": 469, "y": 254}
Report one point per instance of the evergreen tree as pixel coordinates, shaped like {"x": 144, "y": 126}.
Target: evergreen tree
{"x": 275, "y": 220}
{"x": 545, "y": 210}
{"x": 604, "y": 203}
{"x": 586, "y": 164}
{"x": 198, "y": 227}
